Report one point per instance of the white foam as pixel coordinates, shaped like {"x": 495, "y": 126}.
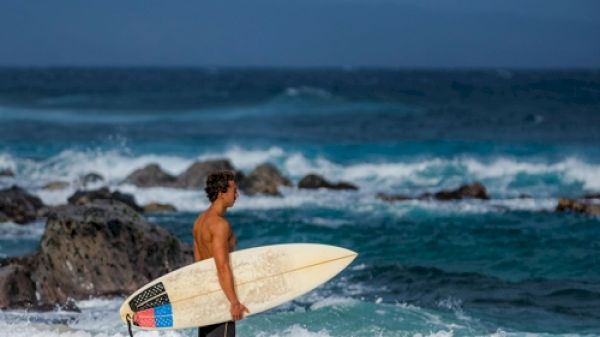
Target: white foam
{"x": 333, "y": 301}
{"x": 11, "y": 230}
{"x": 297, "y": 331}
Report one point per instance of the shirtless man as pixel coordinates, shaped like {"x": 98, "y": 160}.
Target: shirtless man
{"x": 213, "y": 238}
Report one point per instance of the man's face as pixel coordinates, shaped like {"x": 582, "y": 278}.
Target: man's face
{"x": 231, "y": 194}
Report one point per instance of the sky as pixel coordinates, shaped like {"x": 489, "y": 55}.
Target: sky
{"x": 302, "y": 33}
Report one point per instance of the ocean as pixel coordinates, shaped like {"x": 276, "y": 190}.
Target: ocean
{"x": 508, "y": 266}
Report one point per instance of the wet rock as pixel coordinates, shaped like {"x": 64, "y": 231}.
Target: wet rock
{"x": 195, "y": 175}
{"x": 90, "y": 178}
{"x": 314, "y": 181}
{"x": 155, "y": 207}
{"x": 6, "y": 172}
{"x": 104, "y": 248}
{"x": 474, "y": 191}
{"x": 55, "y": 185}
{"x": 18, "y": 206}
{"x": 87, "y": 197}
{"x": 591, "y": 196}
{"x": 150, "y": 176}
{"x": 17, "y": 290}
{"x": 578, "y": 206}
{"x": 264, "y": 179}
{"x": 393, "y": 197}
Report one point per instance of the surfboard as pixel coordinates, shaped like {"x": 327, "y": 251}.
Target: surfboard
{"x": 264, "y": 277}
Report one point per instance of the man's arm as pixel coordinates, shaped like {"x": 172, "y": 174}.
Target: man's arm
{"x": 220, "y": 249}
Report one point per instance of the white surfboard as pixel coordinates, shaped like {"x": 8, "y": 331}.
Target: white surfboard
{"x": 264, "y": 277}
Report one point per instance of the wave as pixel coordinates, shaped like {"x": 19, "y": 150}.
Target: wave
{"x": 514, "y": 184}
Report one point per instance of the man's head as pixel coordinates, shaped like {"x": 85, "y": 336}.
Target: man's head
{"x": 221, "y": 185}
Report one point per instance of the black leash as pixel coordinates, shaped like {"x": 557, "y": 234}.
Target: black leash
{"x": 128, "y": 318}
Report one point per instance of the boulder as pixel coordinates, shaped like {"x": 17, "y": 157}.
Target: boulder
{"x": 155, "y": 207}
{"x": 591, "y": 196}
{"x": 264, "y": 179}
{"x": 18, "y": 206}
{"x": 474, "y": 191}
{"x": 150, "y": 176}
{"x": 104, "y": 248}
{"x": 86, "y": 197}
{"x": 393, "y": 197}
{"x": 578, "y": 206}
{"x": 90, "y": 178}
{"x": 17, "y": 290}
{"x": 6, "y": 172}
{"x": 195, "y": 175}
{"x": 314, "y": 181}
{"x": 55, "y": 185}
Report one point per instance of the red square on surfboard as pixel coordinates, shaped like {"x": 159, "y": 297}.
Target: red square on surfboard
{"x": 144, "y": 318}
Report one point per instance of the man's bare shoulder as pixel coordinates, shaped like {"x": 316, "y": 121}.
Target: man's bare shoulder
{"x": 216, "y": 223}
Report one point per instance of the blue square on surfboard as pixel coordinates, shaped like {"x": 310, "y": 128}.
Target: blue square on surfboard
{"x": 163, "y": 316}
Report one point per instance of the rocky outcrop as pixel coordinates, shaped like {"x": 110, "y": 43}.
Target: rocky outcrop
{"x": 87, "y": 197}
{"x": 18, "y": 206}
{"x": 195, "y": 175}
{"x": 55, "y": 185}
{"x": 5, "y": 172}
{"x": 314, "y": 181}
{"x": 155, "y": 207}
{"x": 150, "y": 176}
{"x": 264, "y": 179}
{"x": 393, "y": 197}
{"x": 17, "y": 290}
{"x": 473, "y": 191}
{"x": 90, "y": 178}
{"x": 578, "y": 206}
{"x": 104, "y": 248}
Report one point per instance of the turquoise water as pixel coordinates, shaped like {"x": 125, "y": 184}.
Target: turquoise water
{"x": 506, "y": 266}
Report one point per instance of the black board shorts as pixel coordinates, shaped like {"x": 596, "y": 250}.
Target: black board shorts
{"x": 226, "y": 329}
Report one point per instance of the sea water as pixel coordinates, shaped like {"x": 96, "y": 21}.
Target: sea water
{"x": 508, "y": 266}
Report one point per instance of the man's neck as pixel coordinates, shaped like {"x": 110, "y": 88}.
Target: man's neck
{"x": 218, "y": 208}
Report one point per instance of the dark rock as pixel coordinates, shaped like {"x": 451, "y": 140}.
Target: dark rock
{"x": 90, "y": 178}
{"x": 195, "y": 175}
{"x": 578, "y": 206}
{"x": 87, "y": 197}
{"x": 475, "y": 191}
{"x": 591, "y": 196}
{"x": 19, "y": 206}
{"x": 150, "y": 176}
{"x": 101, "y": 249}
{"x": 393, "y": 197}
{"x": 5, "y": 172}
{"x": 56, "y": 185}
{"x": 314, "y": 181}
{"x": 155, "y": 207}
{"x": 264, "y": 179}
{"x": 17, "y": 290}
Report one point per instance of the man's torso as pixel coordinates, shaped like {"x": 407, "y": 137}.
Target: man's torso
{"x": 203, "y": 236}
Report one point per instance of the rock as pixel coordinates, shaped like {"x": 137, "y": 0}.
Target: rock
{"x": 150, "y": 176}
{"x": 19, "y": 206}
{"x": 591, "y": 196}
{"x": 264, "y": 179}
{"x": 565, "y": 204}
{"x": 55, "y": 185}
{"x": 155, "y": 207}
{"x": 475, "y": 191}
{"x": 90, "y": 178}
{"x": 6, "y": 172}
{"x": 195, "y": 175}
{"x": 393, "y": 197}
{"x": 87, "y": 197}
{"x": 104, "y": 248}
{"x": 314, "y": 181}
{"x": 17, "y": 291}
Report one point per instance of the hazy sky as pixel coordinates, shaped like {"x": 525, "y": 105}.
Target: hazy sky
{"x": 303, "y": 33}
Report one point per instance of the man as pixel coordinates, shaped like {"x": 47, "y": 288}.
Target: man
{"x": 213, "y": 238}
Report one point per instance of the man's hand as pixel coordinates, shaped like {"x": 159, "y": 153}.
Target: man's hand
{"x": 237, "y": 310}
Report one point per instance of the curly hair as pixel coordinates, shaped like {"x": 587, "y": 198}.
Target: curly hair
{"x": 217, "y": 182}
